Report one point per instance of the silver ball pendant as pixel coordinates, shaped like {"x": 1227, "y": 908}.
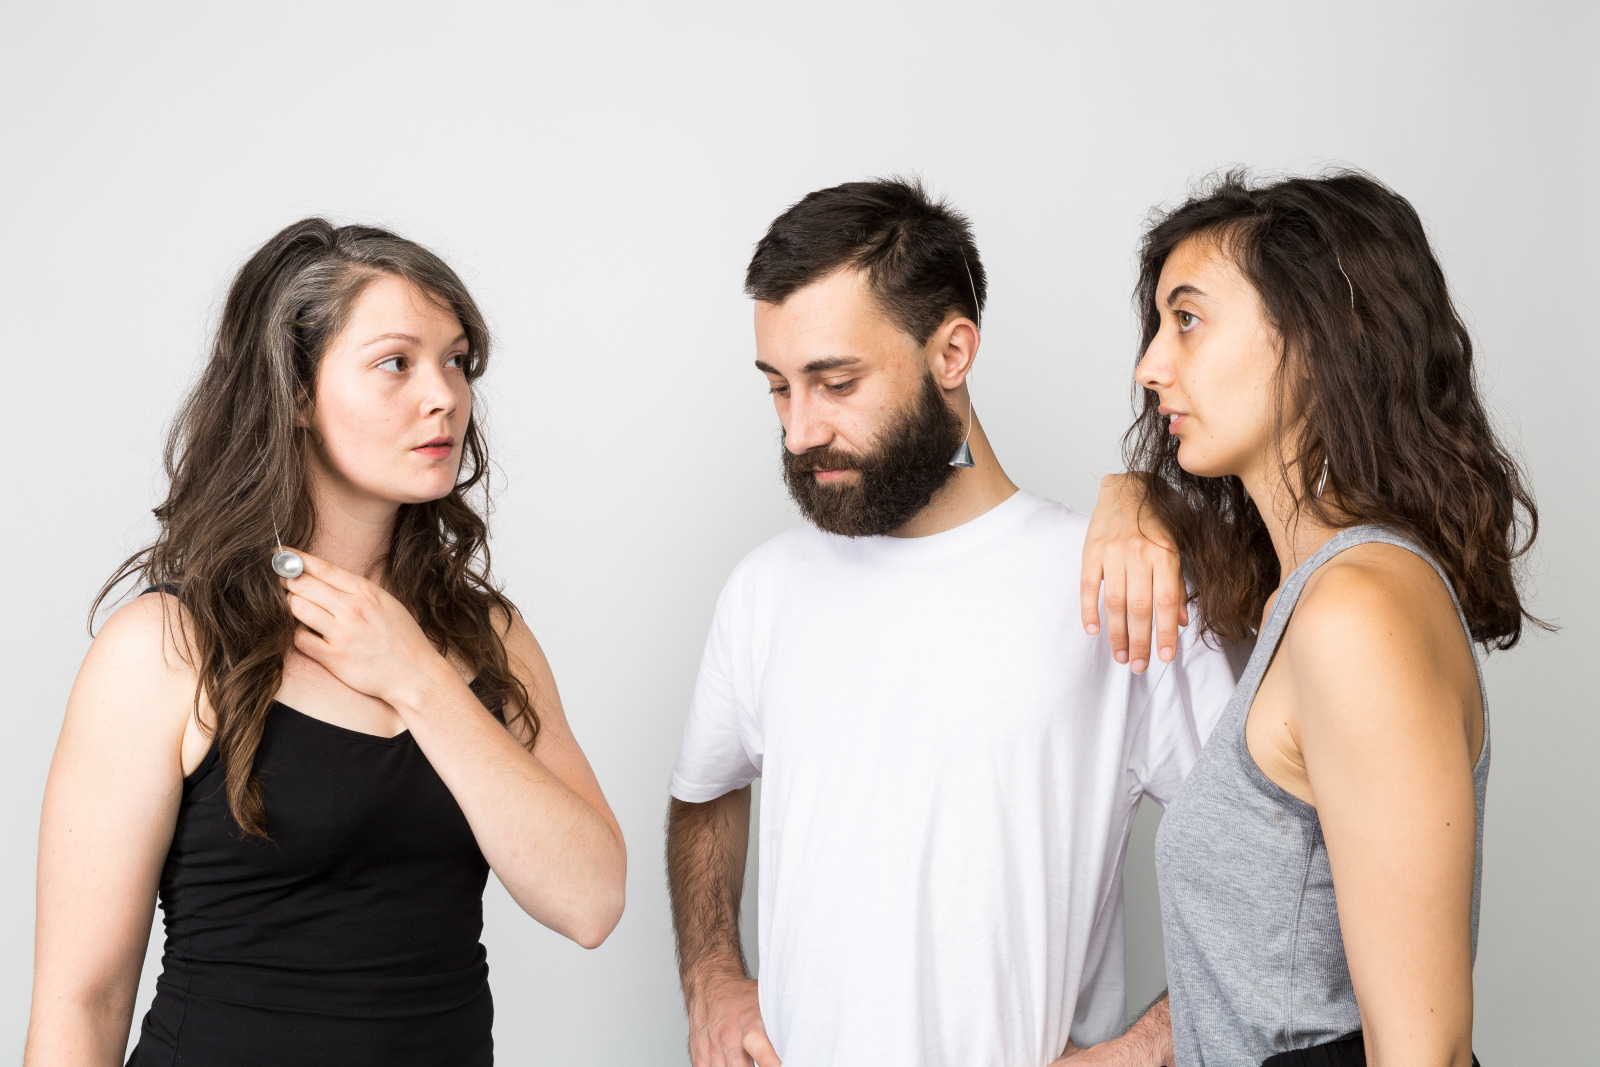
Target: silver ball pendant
{"x": 286, "y": 564}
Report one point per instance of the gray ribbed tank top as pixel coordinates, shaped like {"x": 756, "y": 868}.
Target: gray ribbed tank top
{"x": 1255, "y": 960}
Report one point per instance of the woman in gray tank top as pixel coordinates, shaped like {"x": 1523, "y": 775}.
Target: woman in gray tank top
{"x": 1313, "y": 439}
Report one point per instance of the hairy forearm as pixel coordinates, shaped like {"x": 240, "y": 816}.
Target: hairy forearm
{"x": 1148, "y": 1042}
{"x": 558, "y": 857}
{"x": 706, "y": 846}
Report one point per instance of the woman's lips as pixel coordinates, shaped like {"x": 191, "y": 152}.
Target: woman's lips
{"x": 1175, "y": 420}
{"x": 438, "y": 448}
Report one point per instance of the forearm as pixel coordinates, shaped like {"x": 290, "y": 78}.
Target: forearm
{"x": 706, "y": 846}
{"x": 560, "y": 859}
{"x": 1148, "y": 1042}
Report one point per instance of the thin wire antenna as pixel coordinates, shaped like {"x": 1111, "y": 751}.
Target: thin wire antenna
{"x": 963, "y": 456}
{"x": 977, "y": 308}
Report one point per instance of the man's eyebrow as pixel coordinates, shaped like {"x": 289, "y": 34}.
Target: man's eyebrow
{"x": 817, "y": 366}
{"x": 407, "y": 338}
{"x": 1182, "y": 290}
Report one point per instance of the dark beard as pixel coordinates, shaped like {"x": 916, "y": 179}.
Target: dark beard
{"x": 908, "y": 463}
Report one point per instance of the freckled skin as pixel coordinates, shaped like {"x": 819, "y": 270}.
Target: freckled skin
{"x": 376, "y": 402}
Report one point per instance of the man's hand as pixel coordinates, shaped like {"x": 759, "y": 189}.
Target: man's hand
{"x": 725, "y": 1027}
{"x": 1142, "y": 571}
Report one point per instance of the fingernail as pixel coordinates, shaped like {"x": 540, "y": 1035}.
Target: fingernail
{"x": 1092, "y": 629}
{"x": 1166, "y": 654}
{"x": 1122, "y": 657}
{"x": 1139, "y": 666}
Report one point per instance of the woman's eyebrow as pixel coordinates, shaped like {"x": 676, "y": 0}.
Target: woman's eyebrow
{"x": 410, "y": 339}
{"x": 1182, "y": 291}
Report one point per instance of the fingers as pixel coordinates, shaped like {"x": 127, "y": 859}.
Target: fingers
{"x": 1170, "y": 602}
{"x": 1140, "y": 595}
{"x": 1089, "y": 595}
{"x": 313, "y": 588}
{"x": 310, "y": 613}
{"x": 333, "y": 575}
{"x": 1116, "y": 579}
{"x": 760, "y": 1049}
{"x": 311, "y": 644}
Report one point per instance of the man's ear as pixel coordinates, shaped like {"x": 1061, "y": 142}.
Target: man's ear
{"x": 951, "y": 351}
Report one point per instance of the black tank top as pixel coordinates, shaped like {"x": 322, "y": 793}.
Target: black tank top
{"x": 349, "y": 938}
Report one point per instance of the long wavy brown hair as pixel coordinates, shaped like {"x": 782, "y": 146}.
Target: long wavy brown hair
{"x": 1378, "y": 363}
{"x": 237, "y": 467}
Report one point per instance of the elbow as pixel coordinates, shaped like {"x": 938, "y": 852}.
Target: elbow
{"x": 593, "y": 928}
{"x": 604, "y": 902}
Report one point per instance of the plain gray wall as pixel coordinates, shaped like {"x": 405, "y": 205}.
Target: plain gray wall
{"x": 598, "y": 174}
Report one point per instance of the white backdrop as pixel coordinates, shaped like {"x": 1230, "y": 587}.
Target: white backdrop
{"x": 598, "y": 173}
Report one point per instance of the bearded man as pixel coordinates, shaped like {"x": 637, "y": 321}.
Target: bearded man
{"x": 950, "y": 765}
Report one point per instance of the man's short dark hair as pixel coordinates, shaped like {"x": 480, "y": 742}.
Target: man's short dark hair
{"x": 917, "y": 252}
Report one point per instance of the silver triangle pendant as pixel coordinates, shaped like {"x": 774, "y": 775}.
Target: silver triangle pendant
{"x": 963, "y": 457}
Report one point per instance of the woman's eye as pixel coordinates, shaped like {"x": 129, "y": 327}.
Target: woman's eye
{"x": 456, "y": 361}
{"x": 1185, "y": 321}
{"x": 394, "y": 364}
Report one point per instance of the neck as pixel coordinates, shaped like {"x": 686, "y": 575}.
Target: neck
{"x": 1296, "y": 534}
{"x": 353, "y": 530}
{"x": 973, "y": 491}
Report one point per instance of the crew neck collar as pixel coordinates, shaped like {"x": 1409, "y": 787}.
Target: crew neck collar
{"x": 997, "y": 520}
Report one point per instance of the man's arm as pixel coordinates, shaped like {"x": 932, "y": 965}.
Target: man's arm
{"x": 706, "y": 846}
{"x": 1148, "y": 1043}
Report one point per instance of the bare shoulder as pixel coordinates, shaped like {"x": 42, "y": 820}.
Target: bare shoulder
{"x": 1375, "y": 632}
{"x": 1374, "y": 592}
{"x": 137, "y": 672}
{"x": 150, "y": 635}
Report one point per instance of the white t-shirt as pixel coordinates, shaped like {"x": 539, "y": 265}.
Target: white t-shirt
{"x": 950, "y": 768}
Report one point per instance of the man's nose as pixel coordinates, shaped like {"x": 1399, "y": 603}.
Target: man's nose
{"x": 804, "y": 427}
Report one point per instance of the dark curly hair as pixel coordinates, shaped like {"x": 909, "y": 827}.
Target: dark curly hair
{"x": 1379, "y": 362}
{"x": 236, "y": 464}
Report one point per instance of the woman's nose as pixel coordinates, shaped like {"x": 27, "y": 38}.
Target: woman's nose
{"x": 1155, "y": 369}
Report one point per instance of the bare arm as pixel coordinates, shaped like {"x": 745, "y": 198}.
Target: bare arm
{"x": 706, "y": 846}
{"x": 1133, "y": 556}
{"x": 110, "y": 806}
{"x": 1147, "y": 1043}
{"x": 1388, "y": 754}
{"x": 539, "y": 817}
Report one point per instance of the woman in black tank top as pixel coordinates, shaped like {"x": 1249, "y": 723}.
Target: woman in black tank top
{"x": 298, "y": 767}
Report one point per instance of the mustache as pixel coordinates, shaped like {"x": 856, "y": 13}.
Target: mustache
{"x": 822, "y": 458}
